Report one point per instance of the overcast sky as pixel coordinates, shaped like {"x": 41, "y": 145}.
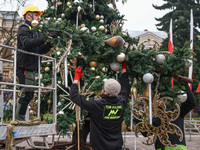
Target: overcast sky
{"x": 140, "y": 14}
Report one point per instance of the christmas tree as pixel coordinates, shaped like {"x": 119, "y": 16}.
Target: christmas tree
{"x": 90, "y": 33}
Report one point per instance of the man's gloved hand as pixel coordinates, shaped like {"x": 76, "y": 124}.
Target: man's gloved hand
{"x": 78, "y": 73}
{"x": 124, "y": 65}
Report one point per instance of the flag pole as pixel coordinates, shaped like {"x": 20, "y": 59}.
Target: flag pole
{"x": 191, "y": 47}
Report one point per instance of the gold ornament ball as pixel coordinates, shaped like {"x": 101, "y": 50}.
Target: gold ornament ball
{"x": 63, "y": 15}
{"x": 47, "y": 69}
{"x": 122, "y": 22}
{"x": 92, "y": 69}
{"x": 104, "y": 69}
{"x": 34, "y": 23}
{"x": 59, "y": 3}
{"x": 97, "y": 17}
{"x": 49, "y": 101}
{"x": 82, "y": 25}
{"x": 121, "y": 57}
{"x": 69, "y": 4}
{"x": 101, "y": 28}
{"x": 93, "y": 64}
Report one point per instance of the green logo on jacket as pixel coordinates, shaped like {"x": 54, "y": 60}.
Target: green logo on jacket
{"x": 112, "y": 112}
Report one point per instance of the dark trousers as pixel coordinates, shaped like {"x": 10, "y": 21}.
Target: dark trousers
{"x": 24, "y": 100}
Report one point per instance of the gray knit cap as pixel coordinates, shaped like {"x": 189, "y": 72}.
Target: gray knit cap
{"x": 112, "y": 87}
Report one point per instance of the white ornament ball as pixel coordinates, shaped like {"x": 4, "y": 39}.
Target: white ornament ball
{"x": 104, "y": 80}
{"x": 102, "y": 17}
{"x": 61, "y": 112}
{"x": 59, "y": 103}
{"x": 160, "y": 58}
{"x": 58, "y": 53}
{"x": 90, "y": 5}
{"x": 182, "y": 97}
{"x": 148, "y": 78}
{"x": 121, "y": 57}
{"x": 92, "y": 69}
{"x": 59, "y": 82}
{"x": 59, "y": 19}
{"x": 52, "y": 7}
{"x": 101, "y": 21}
{"x": 188, "y": 63}
{"x": 85, "y": 29}
{"x": 93, "y": 29}
{"x": 115, "y": 66}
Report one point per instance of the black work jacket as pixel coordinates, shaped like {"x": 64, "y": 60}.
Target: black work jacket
{"x": 31, "y": 41}
{"x": 106, "y": 116}
{"x": 185, "y": 108}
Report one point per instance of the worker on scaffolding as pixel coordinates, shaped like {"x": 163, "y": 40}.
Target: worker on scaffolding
{"x": 106, "y": 114}
{"x": 31, "y": 40}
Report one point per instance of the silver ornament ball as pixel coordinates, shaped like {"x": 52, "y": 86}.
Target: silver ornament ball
{"x": 148, "y": 78}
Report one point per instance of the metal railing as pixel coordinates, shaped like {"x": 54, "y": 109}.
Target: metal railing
{"x": 192, "y": 127}
{"x": 38, "y": 87}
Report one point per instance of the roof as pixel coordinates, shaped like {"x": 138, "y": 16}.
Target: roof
{"x": 136, "y": 34}
{"x": 9, "y": 15}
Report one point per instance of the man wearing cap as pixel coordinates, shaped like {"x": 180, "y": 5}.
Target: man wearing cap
{"x": 31, "y": 40}
{"x": 106, "y": 114}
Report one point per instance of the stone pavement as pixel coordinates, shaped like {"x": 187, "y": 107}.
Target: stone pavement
{"x": 129, "y": 142}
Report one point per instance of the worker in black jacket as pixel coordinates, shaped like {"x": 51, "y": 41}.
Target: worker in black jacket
{"x": 185, "y": 108}
{"x": 106, "y": 114}
{"x": 30, "y": 40}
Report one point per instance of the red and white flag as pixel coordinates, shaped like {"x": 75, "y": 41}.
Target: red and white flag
{"x": 170, "y": 44}
{"x": 191, "y": 45}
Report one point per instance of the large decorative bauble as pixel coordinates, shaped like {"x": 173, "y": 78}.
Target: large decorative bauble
{"x": 85, "y": 29}
{"x": 47, "y": 69}
{"x": 69, "y": 4}
{"x": 121, "y": 57}
{"x": 82, "y": 25}
{"x": 93, "y": 29}
{"x": 115, "y": 66}
{"x": 104, "y": 69}
{"x": 101, "y": 28}
{"x": 160, "y": 58}
{"x": 115, "y": 41}
{"x": 59, "y": 3}
{"x": 97, "y": 17}
{"x": 188, "y": 63}
{"x": 34, "y": 23}
{"x": 63, "y": 15}
{"x": 182, "y": 97}
{"x": 93, "y": 64}
{"x": 148, "y": 78}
